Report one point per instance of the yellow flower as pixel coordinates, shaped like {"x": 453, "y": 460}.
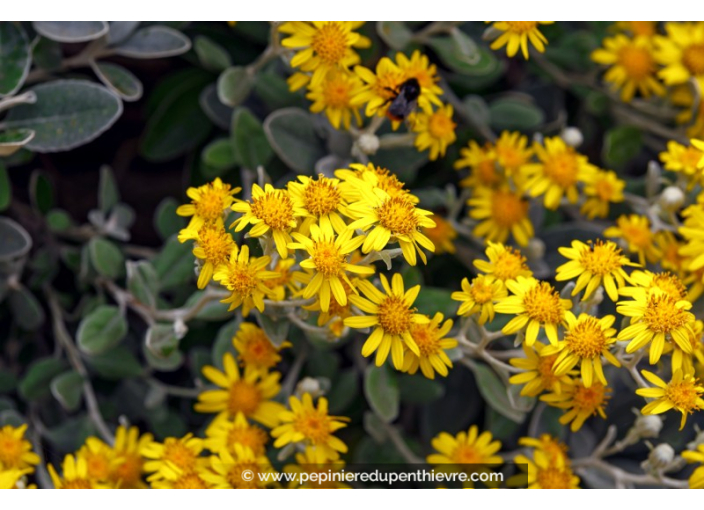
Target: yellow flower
{"x": 13, "y": 478}
{"x": 469, "y": 447}
{"x": 323, "y": 45}
{"x": 239, "y": 469}
{"x": 512, "y": 151}
{"x": 127, "y": 471}
{"x": 670, "y": 247}
{"x": 681, "y": 52}
{"x": 505, "y": 263}
{"x": 254, "y": 348}
{"x": 375, "y": 176}
{"x": 536, "y": 304}
{"x": 75, "y": 475}
{"x": 333, "y": 95}
{"x": 516, "y": 34}
{"x": 99, "y": 458}
{"x": 249, "y": 393}
{"x": 550, "y": 446}
{"x": 420, "y": 68}
{"x": 309, "y": 462}
{"x": 336, "y": 313}
{"x": 693, "y": 233}
{"x": 328, "y": 257}
{"x": 225, "y": 434}
{"x": 683, "y": 393}
{"x": 321, "y": 200}
{"x": 245, "y": 278}
{"x": 586, "y": 340}
{"x": 696, "y": 480}
{"x": 441, "y": 235}
{"x": 432, "y": 344}
{"x": 683, "y": 160}
{"x": 635, "y": 230}
{"x": 214, "y": 245}
{"x": 482, "y": 163}
{"x": 269, "y": 210}
{"x": 601, "y": 189}
{"x": 665, "y": 282}
{"x": 557, "y": 174}
{"x": 539, "y": 372}
{"x": 181, "y": 480}
{"x": 285, "y": 284}
{"x": 479, "y": 297}
{"x": 208, "y": 202}
{"x": 392, "y": 317}
{"x": 631, "y": 64}
{"x": 692, "y": 113}
{"x": 546, "y": 471}
{"x": 435, "y": 130}
{"x": 173, "y": 457}
{"x": 595, "y": 264}
{"x": 656, "y": 316}
{"x": 312, "y": 426}
{"x": 500, "y": 211}
{"x": 387, "y": 218}
{"x": 16, "y": 451}
{"x": 580, "y": 402}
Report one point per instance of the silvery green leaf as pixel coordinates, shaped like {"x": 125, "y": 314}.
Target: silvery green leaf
{"x": 26, "y": 309}
{"x": 15, "y": 58}
{"x": 101, "y": 330}
{"x": 13, "y": 140}
{"x": 71, "y": 31}
{"x": 382, "y": 392}
{"x": 106, "y": 257}
{"x": 394, "y": 33}
{"x": 16, "y": 242}
{"x": 156, "y": 41}
{"x": 213, "y": 56}
{"x": 219, "y": 113}
{"x": 293, "y": 136}
{"x": 121, "y": 30}
{"x": 67, "y": 388}
{"x": 118, "y": 79}
{"x": 234, "y": 85}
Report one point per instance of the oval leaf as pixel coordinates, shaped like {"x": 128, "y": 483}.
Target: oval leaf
{"x": 5, "y": 188}
{"x": 515, "y": 114}
{"x": 249, "y": 142}
{"x": 234, "y": 85}
{"x": 115, "y": 364}
{"x": 15, "y": 58}
{"x": 154, "y": 42}
{"x": 121, "y": 30}
{"x": 101, "y": 330}
{"x": 14, "y": 239}
{"x": 106, "y": 257}
{"x": 71, "y": 31}
{"x": 211, "y": 54}
{"x": 26, "y": 310}
{"x": 13, "y": 140}
{"x": 495, "y": 394}
{"x": 35, "y": 383}
{"x": 292, "y": 134}
{"x": 67, "y": 388}
{"x": 381, "y": 390}
{"x": 118, "y": 79}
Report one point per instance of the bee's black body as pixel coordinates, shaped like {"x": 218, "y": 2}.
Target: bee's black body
{"x": 404, "y": 101}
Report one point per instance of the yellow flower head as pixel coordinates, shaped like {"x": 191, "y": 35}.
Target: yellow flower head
{"x": 500, "y": 212}
{"x": 249, "y": 393}
{"x": 635, "y": 28}
{"x": 681, "y": 52}
{"x": 336, "y": 314}
{"x": 420, "y": 68}
{"x": 441, "y": 235}
{"x": 538, "y": 372}
{"x": 245, "y": 278}
{"x": 208, "y": 202}
{"x": 435, "y": 130}
{"x": 553, "y": 448}
{"x": 635, "y": 231}
{"x": 232, "y": 469}
{"x": 479, "y": 296}
{"x": 285, "y": 284}
{"x": 536, "y": 304}
{"x": 225, "y": 434}
{"x": 13, "y": 478}
{"x": 469, "y": 447}
{"x": 328, "y": 255}
{"x": 696, "y": 480}
{"x": 99, "y": 458}
{"x": 181, "y": 480}
{"x": 172, "y": 457}
{"x": 375, "y": 176}
{"x": 16, "y": 451}
{"x": 314, "y": 427}
{"x": 512, "y": 151}
{"x": 665, "y": 282}
{"x": 504, "y": 264}
{"x": 432, "y": 344}
{"x": 547, "y": 470}
{"x": 321, "y": 200}
{"x": 213, "y": 245}
{"x": 692, "y": 113}
{"x": 323, "y": 45}
{"x": 310, "y": 462}
{"x": 269, "y": 210}
{"x": 75, "y": 475}
{"x": 516, "y": 34}
{"x": 595, "y": 264}
{"x": 334, "y": 94}
{"x": 254, "y": 348}
{"x": 482, "y": 163}
{"x": 558, "y": 172}
{"x": 670, "y": 246}
{"x": 128, "y": 468}
{"x": 580, "y": 402}
{"x": 683, "y": 393}
{"x": 392, "y": 317}
{"x": 586, "y": 340}
{"x": 601, "y": 189}
{"x": 684, "y": 160}
{"x": 632, "y": 66}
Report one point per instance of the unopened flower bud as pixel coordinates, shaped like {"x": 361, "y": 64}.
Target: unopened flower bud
{"x": 648, "y": 425}
{"x": 309, "y": 385}
{"x": 671, "y": 199}
{"x": 572, "y": 136}
{"x": 661, "y": 456}
{"x": 368, "y": 143}
{"x": 535, "y": 249}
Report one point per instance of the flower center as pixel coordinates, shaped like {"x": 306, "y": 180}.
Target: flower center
{"x": 663, "y": 316}
{"x": 10, "y": 450}
{"x": 646, "y": 28}
{"x": 321, "y": 197}
{"x": 440, "y": 125}
{"x": 210, "y": 205}
{"x": 563, "y": 168}
{"x": 250, "y": 436}
{"x": 553, "y": 478}
{"x": 98, "y": 466}
{"x": 78, "y": 483}
{"x": 693, "y": 58}
{"x": 216, "y": 243}
{"x": 589, "y": 399}
{"x": 189, "y": 481}
{"x": 129, "y": 472}
{"x": 481, "y": 292}
{"x": 241, "y": 278}
{"x": 235, "y": 478}
{"x": 637, "y": 61}
{"x": 387, "y": 181}
{"x": 547, "y": 375}
{"x": 683, "y": 394}
{"x": 179, "y": 454}
{"x": 601, "y": 258}
{"x": 509, "y": 265}
{"x": 327, "y": 259}
{"x": 398, "y": 215}
{"x": 426, "y": 339}
{"x": 509, "y": 157}
{"x": 330, "y": 43}
{"x": 394, "y": 315}
{"x": 691, "y": 157}
{"x": 670, "y": 285}
{"x": 637, "y": 235}
{"x": 508, "y": 208}
{"x": 604, "y": 189}
{"x": 275, "y": 209}
{"x": 486, "y": 172}
{"x": 521, "y": 27}
{"x": 336, "y": 91}
{"x": 243, "y": 398}
{"x": 258, "y": 350}
{"x": 542, "y": 303}
{"x": 313, "y": 424}
{"x": 586, "y": 339}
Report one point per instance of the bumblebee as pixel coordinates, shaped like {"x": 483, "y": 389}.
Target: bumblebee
{"x": 404, "y": 100}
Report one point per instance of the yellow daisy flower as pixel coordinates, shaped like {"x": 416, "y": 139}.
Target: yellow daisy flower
{"x": 553, "y": 448}
{"x": 245, "y": 278}
{"x": 16, "y": 451}
{"x": 681, "y": 52}
{"x": 435, "y": 130}
{"x": 173, "y": 457}
{"x": 225, "y": 434}
{"x": 512, "y": 151}
{"x": 99, "y": 458}
{"x": 482, "y": 163}
{"x": 321, "y": 200}
{"x": 632, "y": 66}
{"x": 254, "y": 348}
{"x": 536, "y": 304}
{"x": 239, "y": 469}
{"x": 432, "y": 344}
{"x": 441, "y": 235}
{"x": 74, "y": 475}
{"x": 284, "y": 285}
{"x": 595, "y": 264}
{"x": 580, "y": 402}
{"x": 392, "y": 317}
{"x": 334, "y": 94}
{"x": 505, "y": 263}
{"x": 128, "y": 469}
{"x": 683, "y": 393}
{"x": 684, "y": 160}
{"x": 635, "y": 230}
{"x": 213, "y": 244}
{"x": 469, "y": 447}
{"x": 500, "y": 212}
{"x": 538, "y": 372}
{"x": 696, "y": 480}
{"x": 692, "y": 113}
{"x": 547, "y": 472}
{"x": 249, "y": 393}
{"x": 586, "y": 340}
{"x": 336, "y": 314}
{"x": 181, "y": 480}
{"x": 309, "y": 462}
{"x": 558, "y": 172}
{"x": 420, "y": 68}
{"x": 208, "y": 202}
{"x": 11, "y": 478}
{"x": 376, "y": 177}
{"x": 314, "y": 427}
{"x": 670, "y": 246}
{"x": 601, "y": 189}
{"x": 516, "y": 34}
{"x": 665, "y": 282}
{"x": 479, "y": 296}
{"x": 646, "y": 28}
{"x": 328, "y": 257}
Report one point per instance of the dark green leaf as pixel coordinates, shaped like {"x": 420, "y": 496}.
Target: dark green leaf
{"x": 12, "y": 418}
{"x": 174, "y": 265}
{"x": 416, "y": 389}
{"x": 58, "y": 220}
{"x": 41, "y": 192}
{"x": 15, "y": 57}
{"x": 213, "y": 56}
{"x": 26, "y": 310}
{"x": 214, "y": 310}
{"x": 164, "y": 364}
{"x": 5, "y": 188}
{"x": 121, "y": 30}
{"x": 223, "y": 341}
{"x": 71, "y": 31}
{"x": 120, "y": 80}
{"x": 403, "y": 161}
{"x": 70, "y": 433}
{"x": 143, "y": 282}
{"x": 218, "y": 155}
{"x": 46, "y": 54}
{"x": 161, "y": 340}
{"x": 8, "y": 381}
{"x": 249, "y": 143}
{"x": 234, "y": 85}
{"x": 292, "y": 134}
{"x": 515, "y": 114}
{"x": 35, "y": 382}
{"x": 14, "y": 239}
{"x": 434, "y": 299}
{"x": 101, "y": 330}
{"x": 106, "y": 257}
{"x": 494, "y": 392}
{"x": 166, "y": 221}
{"x": 156, "y": 41}
{"x": 344, "y": 390}
{"x": 67, "y": 388}
{"x": 621, "y": 145}
{"x": 484, "y": 65}
{"x": 382, "y": 392}
{"x": 108, "y": 194}
{"x": 115, "y": 364}
{"x": 218, "y": 113}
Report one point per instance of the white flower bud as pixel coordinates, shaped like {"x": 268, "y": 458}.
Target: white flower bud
{"x": 572, "y": 136}
{"x": 368, "y": 143}
{"x": 648, "y": 425}
{"x": 661, "y": 456}
{"x": 671, "y": 199}
{"x": 309, "y": 385}
{"x": 535, "y": 249}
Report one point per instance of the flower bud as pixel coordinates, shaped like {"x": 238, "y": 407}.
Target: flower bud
{"x": 648, "y": 425}
{"x": 661, "y": 456}
{"x": 572, "y": 136}
{"x": 671, "y": 199}
{"x": 368, "y": 143}
{"x": 309, "y": 385}
{"x": 535, "y": 249}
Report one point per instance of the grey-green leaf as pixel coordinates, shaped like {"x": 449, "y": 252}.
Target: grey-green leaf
{"x": 143, "y": 282}
{"x": 156, "y": 41}
{"x": 35, "y": 383}
{"x": 108, "y": 194}
{"x": 275, "y": 329}
{"x": 13, "y": 140}
{"x": 15, "y": 58}
{"x": 121, "y": 30}
{"x": 166, "y": 221}
{"x": 174, "y": 265}
{"x": 213, "y": 56}
{"x": 394, "y": 33}
{"x": 515, "y": 114}
{"x": 71, "y": 31}
{"x": 115, "y": 364}
{"x": 67, "y": 114}
{"x": 161, "y": 340}
{"x": 106, "y": 257}
{"x": 249, "y": 143}
{"x": 494, "y": 392}
{"x": 234, "y": 85}
{"x": 292, "y": 134}
{"x": 26, "y": 309}
{"x": 101, "y": 330}
{"x": 14, "y": 240}
{"x": 67, "y": 388}
{"x": 118, "y": 79}
{"x": 219, "y": 155}
{"x": 382, "y": 392}
{"x": 5, "y": 188}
